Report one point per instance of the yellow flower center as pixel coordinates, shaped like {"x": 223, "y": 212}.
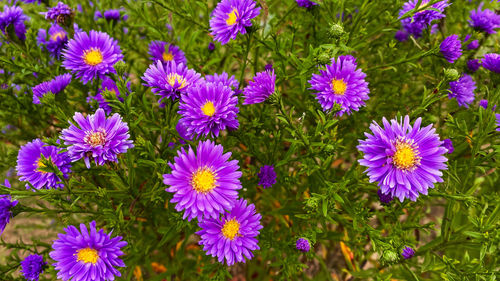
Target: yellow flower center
{"x": 167, "y": 56}
{"x": 232, "y": 17}
{"x": 208, "y": 108}
{"x": 40, "y": 164}
{"x": 203, "y": 180}
{"x": 87, "y": 255}
{"x": 95, "y": 138}
{"x": 58, "y": 35}
{"x": 339, "y": 86}
{"x": 405, "y": 157}
{"x": 92, "y": 57}
{"x": 231, "y": 229}
{"x": 174, "y": 77}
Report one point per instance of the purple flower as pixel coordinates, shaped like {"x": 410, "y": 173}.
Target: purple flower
{"x": 407, "y": 252}
{"x": 384, "y": 198}
{"x": 6, "y": 204}
{"x": 232, "y": 237}
{"x": 463, "y": 90}
{"x": 58, "y": 38}
{"x": 13, "y": 16}
{"x": 31, "y": 1}
{"x": 182, "y": 130}
{"x": 170, "y": 80}
{"x": 491, "y": 62}
{"x": 211, "y": 46}
{"x": 473, "y": 65}
{"x": 231, "y": 17}
{"x": 32, "y": 266}
{"x": 159, "y": 50}
{"x": 107, "y": 84}
{"x": 204, "y": 184}
{"x": 112, "y": 14}
{"x": 224, "y": 79}
{"x": 341, "y": 83}
{"x": 87, "y": 254}
{"x": 473, "y": 45}
{"x": 486, "y": 20}
{"x": 268, "y": 67}
{"x": 306, "y": 3}
{"x": 260, "y": 88}
{"x": 483, "y": 104}
{"x": 267, "y": 176}
{"x": 97, "y": 15}
{"x": 302, "y": 245}
{"x": 59, "y": 13}
{"x": 98, "y": 137}
{"x": 54, "y": 86}
{"x": 32, "y": 168}
{"x": 451, "y": 48}
{"x": 405, "y": 160}
{"x": 419, "y": 21}
{"x": 497, "y": 116}
{"x": 401, "y": 35}
{"x": 434, "y": 28}
{"x": 448, "y": 145}
{"x": 91, "y": 56}
{"x": 208, "y": 109}
{"x": 98, "y": 101}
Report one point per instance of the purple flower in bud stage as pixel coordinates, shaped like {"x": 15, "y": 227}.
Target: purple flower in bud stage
{"x": 473, "y": 65}
{"x": 497, "y": 116}
{"x": 473, "y": 45}
{"x": 303, "y": 245}
{"x": 306, "y": 3}
{"x": 463, "y": 90}
{"x": 448, "y": 145}
{"x": 401, "y": 35}
{"x": 267, "y": 176}
{"x": 451, "y": 48}
{"x": 211, "y": 46}
{"x": 384, "y": 198}
{"x": 408, "y": 252}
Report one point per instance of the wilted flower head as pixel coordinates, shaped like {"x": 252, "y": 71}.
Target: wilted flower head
{"x": 267, "y": 176}
{"x": 405, "y": 160}
{"x": 206, "y": 178}
{"x": 260, "y": 88}
{"x": 32, "y": 167}
{"x": 484, "y": 20}
{"x": 341, "y": 83}
{"x": 408, "y": 252}
{"x": 231, "y": 238}
{"x": 54, "y": 86}
{"x": 491, "y": 62}
{"x": 419, "y": 21}
{"x": 164, "y": 52}
{"x": 463, "y": 90}
{"x": 32, "y": 266}
{"x": 302, "y": 245}
{"x": 231, "y": 17}
{"x": 59, "y": 13}
{"x": 97, "y": 137}
{"x": 451, "y": 48}
{"x": 58, "y": 38}
{"x": 13, "y": 16}
{"x": 91, "y": 56}
{"x": 87, "y": 254}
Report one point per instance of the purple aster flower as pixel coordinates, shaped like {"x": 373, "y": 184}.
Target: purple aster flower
{"x": 302, "y": 245}
{"x": 486, "y": 20}
{"x": 98, "y": 101}
{"x": 419, "y": 21}
{"x": 159, "y": 50}
{"x": 13, "y": 16}
{"x": 98, "y": 137}
{"x": 107, "y": 84}
{"x": 448, "y": 145}
{"x": 232, "y": 237}
{"x": 434, "y": 28}
{"x": 231, "y": 17}
{"x": 483, "y": 104}
{"x": 497, "y": 116}
{"x": 87, "y": 254}
{"x": 341, "y": 83}
{"x": 112, "y": 14}
{"x": 451, "y": 48}
{"x": 260, "y": 88}
{"x": 404, "y": 160}
{"x": 401, "y": 35}
{"x": 491, "y": 62}
{"x": 54, "y": 86}
{"x": 267, "y": 176}
{"x": 58, "y": 38}
{"x": 211, "y": 46}
{"x": 31, "y": 1}
{"x": 32, "y": 266}
{"x": 204, "y": 184}
{"x": 91, "y": 56}
{"x": 170, "y": 80}
{"x": 473, "y": 45}
{"x": 6, "y": 204}
{"x": 31, "y": 167}
{"x": 208, "y": 109}
{"x": 97, "y": 15}
{"x": 463, "y": 90}
{"x": 306, "y": 3}
{"x": 473, "y": 65}
{"x": 384, "y": 198}
{"x": 407, "y": 252}
{"x": 182, "y": 130}
{"x": 59, "y": 13}
{"x": 224, "y": 79}
{"x": 268, "y": 67}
